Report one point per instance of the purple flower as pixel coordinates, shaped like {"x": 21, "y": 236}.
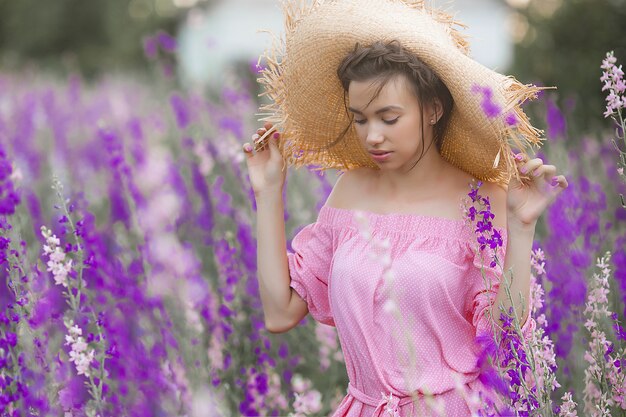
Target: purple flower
{"x": 9, "y": 197}
{"x": 11, "y": 339}
{"x": 255, "y": 67}
{"x": 474, "y": 193}
{"x": 555, "y": 121}
{"x": 283, "y": 350}
{"x": 224, "y": 200}
{"x": 573, "y": 215}
{"x": 232, "y": 124}
{"x": 167, "y": 42}
{"x": 205, "y": 214}
{"x": 74, "y": 395}
{"x": 511, "y": 119}
{"x": 224, "y": 311}
{"x": 150, "y": 47}
{"x": 489, "y": 107}
{"x": 181, "y": 111}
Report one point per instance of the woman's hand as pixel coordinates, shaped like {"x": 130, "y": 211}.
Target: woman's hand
{"x": 266, "y": 167}
{"x": 527, "y": 200}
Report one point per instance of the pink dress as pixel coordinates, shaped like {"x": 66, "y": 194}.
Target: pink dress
{"x": 438, "y": 290}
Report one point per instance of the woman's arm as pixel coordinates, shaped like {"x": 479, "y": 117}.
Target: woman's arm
{"x": 267, "y": 171}
{"x": 516, "y": 271}
{"x": 525, "y": 203}
{"x": 282, "y": 306}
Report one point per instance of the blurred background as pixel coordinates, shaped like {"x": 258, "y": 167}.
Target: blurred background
{"x": 550, "y": 42}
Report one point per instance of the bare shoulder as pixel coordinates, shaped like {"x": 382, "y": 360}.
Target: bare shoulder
{"x": 347, "y": 188}
{"x": 497, "y": 199}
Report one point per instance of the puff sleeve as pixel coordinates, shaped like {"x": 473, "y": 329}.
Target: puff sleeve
{"x": 484, "y": 292}
{"x": 309, "y": 267}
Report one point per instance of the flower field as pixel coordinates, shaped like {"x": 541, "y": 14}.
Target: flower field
{"x": 129, "y": 262}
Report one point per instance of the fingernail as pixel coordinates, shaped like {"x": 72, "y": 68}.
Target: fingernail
{"x": 255, "y": 136}
{"x": 555, "y": 180}
{"x": 276, "y": 135}
{"x": 519, "y": 157}
{"x": 523, "y": 170}
{"x": 536, "y": 173}
{"x": 247, "y": 147}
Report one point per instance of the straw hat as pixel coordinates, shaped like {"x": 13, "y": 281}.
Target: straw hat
{"x": 307, "y": 99}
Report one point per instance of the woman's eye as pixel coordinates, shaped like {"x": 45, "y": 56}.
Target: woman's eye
{"x": 388, "y": 122}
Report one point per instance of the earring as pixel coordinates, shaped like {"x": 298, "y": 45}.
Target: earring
{"x": 432, "y": 122}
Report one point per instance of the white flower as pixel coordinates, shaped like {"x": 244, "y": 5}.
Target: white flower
{"x": 83, "y": 363}
{"x": 308, "y": 403}
{"x": 76, "y": 331}
{"x": 79, "y": 345}
{"x": 300, "y": 384}
{"x": 58, "y": 255}
{"x": 79, "y": 355}
{"x": 69, "y": 340}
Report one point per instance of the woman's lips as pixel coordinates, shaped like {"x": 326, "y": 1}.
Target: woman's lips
{"x": 380, "y": 156}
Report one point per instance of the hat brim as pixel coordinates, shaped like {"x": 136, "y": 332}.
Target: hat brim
{"x": 308, "y": 99}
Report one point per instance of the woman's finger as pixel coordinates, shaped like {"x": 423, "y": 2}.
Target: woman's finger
{"x": 248, "y": 150}
{"x": 519, "y": 157}
{"x": 559, "y": 181}
{"x": 531, "y": 165}
{"x": 261, "y": 141}
{"x": 273, "y": 143}
{"x": 275, "y": 153}
{"x": 544, "y": 170}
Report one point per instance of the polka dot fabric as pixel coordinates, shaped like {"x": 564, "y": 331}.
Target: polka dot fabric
{"x": 441, "y": 300}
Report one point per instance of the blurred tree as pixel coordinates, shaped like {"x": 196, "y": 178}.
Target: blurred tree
{"x": 89, "y": 36}
{"x": 562, "y": 43}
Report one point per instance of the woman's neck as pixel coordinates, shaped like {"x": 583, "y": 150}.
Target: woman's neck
{"x": 431, "y": 176}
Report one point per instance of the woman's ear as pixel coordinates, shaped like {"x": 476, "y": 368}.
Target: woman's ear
{"x": 436, "y": 110}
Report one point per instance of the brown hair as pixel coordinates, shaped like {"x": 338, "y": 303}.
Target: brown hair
{"x": 382, "y": 61}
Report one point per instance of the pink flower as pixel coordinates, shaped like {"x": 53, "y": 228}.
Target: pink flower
{"x": 604, "y": 383}
{"x": 568, "y": 408}
{"x": 309, "y": 403}
{"x": 614, "y": 100}
{"x": 609, "y": 61}
{"x": 300, "y": 384}
{"x": 327, "y": 337}
{"x": 612, "y": 77}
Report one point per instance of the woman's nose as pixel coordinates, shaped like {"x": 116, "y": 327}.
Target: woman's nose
{"x": 374, "y": 136}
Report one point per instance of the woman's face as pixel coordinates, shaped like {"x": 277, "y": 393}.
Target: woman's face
{"x": 391, "y": 123}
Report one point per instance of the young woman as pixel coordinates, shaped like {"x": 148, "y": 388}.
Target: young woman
{"x": 355, "y": 91}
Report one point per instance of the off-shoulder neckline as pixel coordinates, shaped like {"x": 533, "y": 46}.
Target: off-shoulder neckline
{"x": 393, "y": 214}
{"x": 400, "y": 222}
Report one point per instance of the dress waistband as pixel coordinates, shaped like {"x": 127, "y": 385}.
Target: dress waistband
{"x": 390, "y": 402}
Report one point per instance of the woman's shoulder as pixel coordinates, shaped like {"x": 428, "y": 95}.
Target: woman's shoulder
{"x": 492, "y": 190}
{"x": 349, "y": 187}
{"x": 353, "y": 185}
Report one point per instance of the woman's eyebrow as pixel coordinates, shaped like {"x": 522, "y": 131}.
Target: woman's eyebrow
{"x": 381, "y": 110}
